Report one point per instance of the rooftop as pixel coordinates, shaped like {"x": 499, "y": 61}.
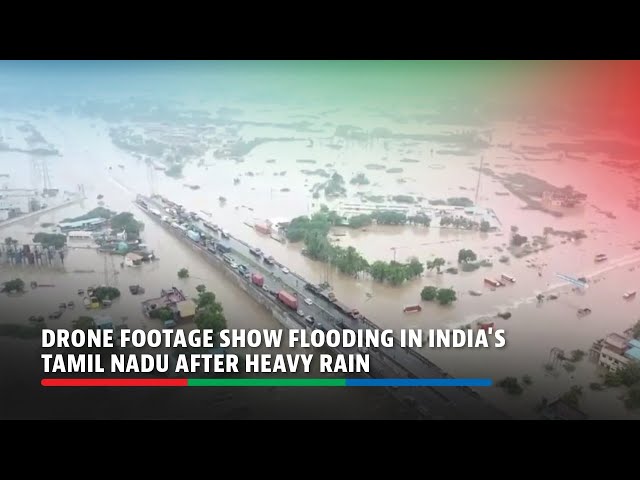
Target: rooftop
{"x": 186, "y": 308}
{"x": 616, "y": 340}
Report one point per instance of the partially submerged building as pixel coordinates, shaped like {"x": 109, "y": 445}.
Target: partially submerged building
{"x": 616, "y": 351}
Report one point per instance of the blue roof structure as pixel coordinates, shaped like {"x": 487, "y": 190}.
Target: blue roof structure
{"x": 82, "y": 223}
{"x": 633, "y": 353}
{"x": 634, "y": 343}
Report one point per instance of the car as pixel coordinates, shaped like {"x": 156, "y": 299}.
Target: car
{"x": 169, "y": 324}
{"x": 363, "y": 350}
{"x": 242, "y": 268}
{"x": 300, "y": 313}
{"x": 339, "y": 323}
{"x": 309, "y": 319}
{"x": 308, "y": 301}
{"x": 247, "y": 274}
{"x": 285, "y": 270}
{"x": 320, "y": 326}
{"x": 265, "y": 287}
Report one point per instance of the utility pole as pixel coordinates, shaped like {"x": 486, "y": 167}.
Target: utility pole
{"x": 478, "y": 184}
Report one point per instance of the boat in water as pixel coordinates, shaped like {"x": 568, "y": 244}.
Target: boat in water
{"x": 629, "y": 295}
{"x": 412, "y": 309}
{"x": 601, "y": 257}
{"x": 475, "y": 293}
{"x": 492, "y": 282}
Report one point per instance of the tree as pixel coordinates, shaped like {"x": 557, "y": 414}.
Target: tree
{"x": 485, "y": 226}
{"x": 572, "y": 397}
{"x": 636, "y": 330}
{"x": 201, "y": 288}
{"x": 436, "y": 263}
{"x": 126, "y": 221}
{"x": 209, "y": 314}
{"x": 15, "y": 285}
{"x": 378, "y": 270}
{"x": 632, "y": 398}
{"x": 359, "y": 221}
{"x": 183, "y": 273}
{"x": 84, "y": 323}
{"x": 518, "y": 240}
{"x": 446, "y": 296}
{"x": 8, "y": 241}
{"x": 465, "y": 255}
{"x": 163, "y": 314}
{"x": 106, "y": 293}
{"x": 396, "y": 273}
{"x": 56, "y": 240}
{"x": 511, "y": 385}
{"x": 429, "y": 293}
{"x": 415, "y": 268}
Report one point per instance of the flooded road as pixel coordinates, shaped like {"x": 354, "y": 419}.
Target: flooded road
{"x": 88, "y": 157}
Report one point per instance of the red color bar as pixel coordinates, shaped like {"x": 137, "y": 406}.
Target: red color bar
{"x": 113, "y": 382}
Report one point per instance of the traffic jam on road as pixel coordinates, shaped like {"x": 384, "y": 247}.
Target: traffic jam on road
{"x": 308, "y": 302}
{"x": 315, "y": 307}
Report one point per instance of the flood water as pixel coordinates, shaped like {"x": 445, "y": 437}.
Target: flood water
{"x": 88, "y": 157}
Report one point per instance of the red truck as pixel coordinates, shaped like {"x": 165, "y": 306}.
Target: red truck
{"x": 288, "y": 299}
{"x": 257, "y": 279}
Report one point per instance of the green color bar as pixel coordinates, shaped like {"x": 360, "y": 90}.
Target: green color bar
{"x": 266, "y": 382}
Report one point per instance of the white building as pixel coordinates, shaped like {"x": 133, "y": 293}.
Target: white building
{"x": 612, "y": 354}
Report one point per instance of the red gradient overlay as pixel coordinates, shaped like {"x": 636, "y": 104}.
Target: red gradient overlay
{"x": 113, "y": 382}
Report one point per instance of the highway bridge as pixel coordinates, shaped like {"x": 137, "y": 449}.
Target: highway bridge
{"x": 395, "y": 362}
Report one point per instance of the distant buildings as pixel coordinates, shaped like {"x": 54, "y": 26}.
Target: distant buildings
{"x": 17, "y": 201}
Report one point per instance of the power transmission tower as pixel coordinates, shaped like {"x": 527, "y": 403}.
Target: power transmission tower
{"x": 46, "y": 180}
{"x": 106, "y": 271}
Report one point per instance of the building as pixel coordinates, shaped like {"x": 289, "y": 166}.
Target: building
{"x": 186, "y": 309}
{"x": 617, "y": 351}
{"x": 79, "y": 235}
{"x": 561, "y": 410}
{"x": 347, "y": 210}
{"x": 17, "y": 201}
{"x": 87, "y": 224}
{"x": 132, "y": 260}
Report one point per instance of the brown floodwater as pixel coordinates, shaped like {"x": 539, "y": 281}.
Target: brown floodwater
{"x": 532, "y": 331}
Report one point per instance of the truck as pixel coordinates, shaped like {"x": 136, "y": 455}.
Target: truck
{"x": 288, "y": 299}
{"x": 257, "y": 279}
{"x": 195, "y": 236}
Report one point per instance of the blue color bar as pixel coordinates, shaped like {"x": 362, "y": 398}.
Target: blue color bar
{"x": 419, "y": 382}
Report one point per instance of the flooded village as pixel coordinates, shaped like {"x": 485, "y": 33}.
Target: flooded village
{"x": 400, "y": 222}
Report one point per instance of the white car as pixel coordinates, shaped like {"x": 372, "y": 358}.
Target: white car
{"x": 285, "y": 270}
{"x": 300, "y": 313}
{"x": 308, "y": 301}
